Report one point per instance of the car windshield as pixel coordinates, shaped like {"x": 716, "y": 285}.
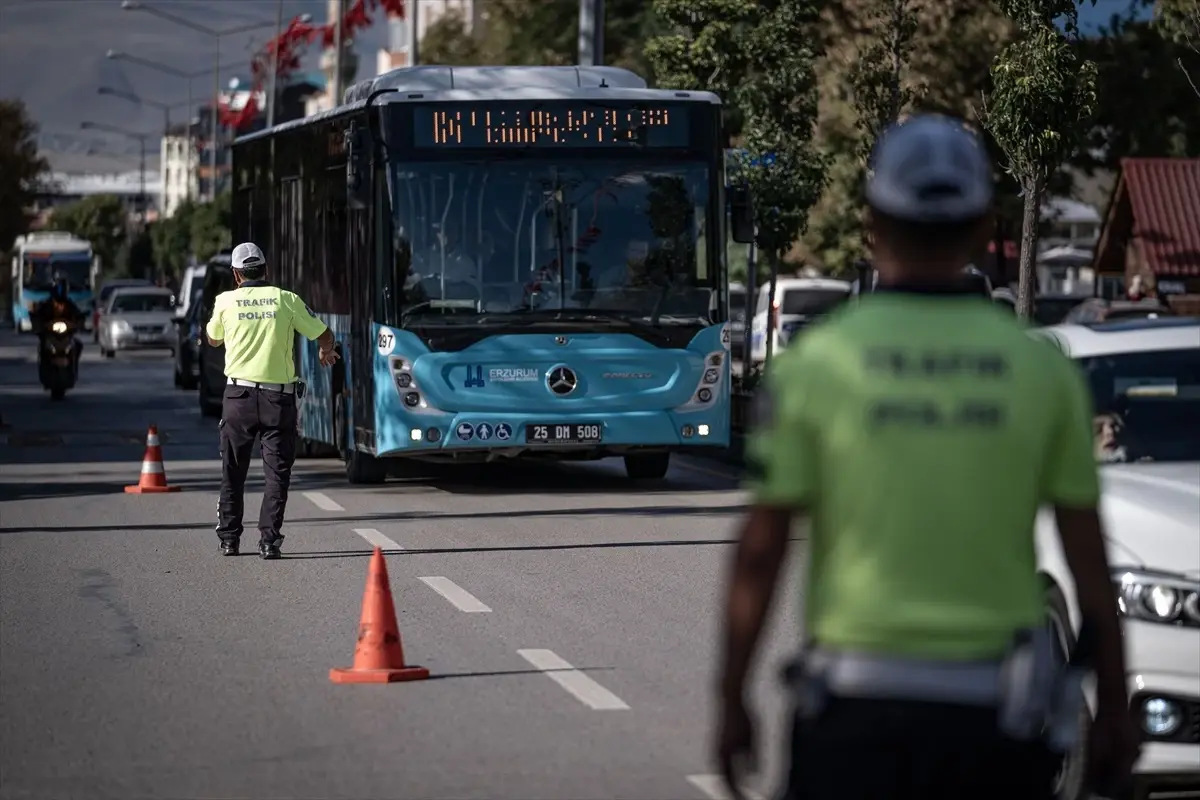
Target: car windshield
{"x": 494, "y": 240}
{"x": 1052, "y": 310}
{"x": 134, "y": 303}
{"x": 812, "y": 302}
{"x": 40, "y": 272}
{"x": 1146, "y": 405}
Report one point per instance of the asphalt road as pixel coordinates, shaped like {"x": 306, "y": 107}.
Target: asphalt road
{"x": 568, "y": 617}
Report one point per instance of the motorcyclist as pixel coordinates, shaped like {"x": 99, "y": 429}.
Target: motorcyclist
{"x": 58, "y": 307}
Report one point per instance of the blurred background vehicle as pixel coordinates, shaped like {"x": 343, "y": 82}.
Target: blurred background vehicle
{"x": 138, "y": 317}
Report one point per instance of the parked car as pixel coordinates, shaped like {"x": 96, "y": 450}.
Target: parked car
{"x": 1099, "y": 309}
{"x": 211, "y": 376}
{"x": 1144, "y": 377}
{"x": 188, "y": 331}
{"x": 102, "y": 300}
{"x": 798, "y": 302}
{"x": 189, "y": 286}
{"x": 737, "y": 318}
{"x": 137, "y": 317}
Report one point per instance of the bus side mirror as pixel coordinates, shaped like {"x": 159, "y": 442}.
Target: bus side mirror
{"x": 358, "y": 167}
{"x": 741, "y": 213}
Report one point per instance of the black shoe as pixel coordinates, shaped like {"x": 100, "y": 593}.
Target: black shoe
{"x": 269, "y": 551}
{"x": 229, "y": 547}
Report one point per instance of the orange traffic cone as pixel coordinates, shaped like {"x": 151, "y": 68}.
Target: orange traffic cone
{"x": 154, "y": 477}
{"x": 379, "y": 655}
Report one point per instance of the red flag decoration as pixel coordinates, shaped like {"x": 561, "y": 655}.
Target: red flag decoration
{"x": 290, "y": 46}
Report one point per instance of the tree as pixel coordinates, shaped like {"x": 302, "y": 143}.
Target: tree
{"x": 171, "y": 239}
{"x": 101, "y": 219}
{"x": 1180, "y": 20}
{"x": 211, "y": 227}
{"x": 945, "y": 49}
{"x": 22, "y": 170}
{"x": 538, "y": 32}
{"x": 1144, "y": 103}
{"x": 759, "y": 56}
{"x": 1043, "y": 96}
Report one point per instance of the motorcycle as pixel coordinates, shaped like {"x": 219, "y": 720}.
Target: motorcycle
{"x": 58, "y": 359}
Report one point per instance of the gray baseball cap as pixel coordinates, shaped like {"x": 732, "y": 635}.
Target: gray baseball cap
{"x": 247, "y": 255}
{"x": 930, "y": 168}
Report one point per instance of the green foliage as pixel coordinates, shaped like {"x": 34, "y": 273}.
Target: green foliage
{"x": 943, "y": 66}
{"x": 195, "y": 230}
{"x": 538, "y": 32}
{"x": 135, "y": 257}
{"x": 1043, "y": 95}
{"x": 101, "y": 219}
{"x": 211, "y": 227}
{"x": 877, "y": 77}
{"x": 1144, "y": 103}
{"x": 171, "y": 239}
{"x": 759, "y": 56}
{"x": 1042, "y": 100}
{"x": 1180, "y": 21}
{"x": 22, "y": 171}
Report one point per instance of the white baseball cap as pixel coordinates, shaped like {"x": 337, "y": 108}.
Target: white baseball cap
{"x": 930, "y": 168}
{"x": 247, "y": 255}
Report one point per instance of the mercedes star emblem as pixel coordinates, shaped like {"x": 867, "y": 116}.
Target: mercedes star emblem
{"x": 562, "y": 380}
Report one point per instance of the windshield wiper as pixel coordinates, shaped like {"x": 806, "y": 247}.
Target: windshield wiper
{"x": 548, "y": 316}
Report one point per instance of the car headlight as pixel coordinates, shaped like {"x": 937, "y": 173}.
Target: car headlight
{"x": 1156, "y": 597}
{"x": 59, "y": 327}
{"x": 120, "y": 325}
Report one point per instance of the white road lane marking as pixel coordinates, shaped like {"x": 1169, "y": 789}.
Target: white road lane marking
{"x": 459, "y": 597}
{"x": 323, "y": 501}
{"x": 713, "y": 787}
{"x": 377, "y": 539}
{"x": 586, "y": 690}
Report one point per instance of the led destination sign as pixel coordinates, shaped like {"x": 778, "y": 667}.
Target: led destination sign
{"x": 542, "y": 124}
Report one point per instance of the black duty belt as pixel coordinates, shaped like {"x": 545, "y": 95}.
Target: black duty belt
{"x": 285, "y": 388}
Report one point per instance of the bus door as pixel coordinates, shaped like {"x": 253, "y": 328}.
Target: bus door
{"x": 362, "y": 307}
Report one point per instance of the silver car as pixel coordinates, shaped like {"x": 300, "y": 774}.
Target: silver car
{"x": 138, "y": 317}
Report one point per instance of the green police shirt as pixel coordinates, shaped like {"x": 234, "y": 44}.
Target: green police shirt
{"x": 258, "y": 323}
{"x": 922, "y": 433}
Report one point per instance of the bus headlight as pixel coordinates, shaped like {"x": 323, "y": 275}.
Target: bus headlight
{"x": 408, "y": 388}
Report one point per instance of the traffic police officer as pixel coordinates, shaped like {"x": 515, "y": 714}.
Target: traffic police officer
{"x": 919, "y": 431}
{"x": 257, "y": 324}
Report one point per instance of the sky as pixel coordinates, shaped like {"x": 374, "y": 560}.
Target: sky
{"x": 52, "y": 55}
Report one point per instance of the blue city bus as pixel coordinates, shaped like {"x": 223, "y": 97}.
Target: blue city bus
{"x": 517, "y": 262}
{"x": 37, "y": 258}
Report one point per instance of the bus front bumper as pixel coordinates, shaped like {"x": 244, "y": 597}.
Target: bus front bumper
{"x": 582, "y": 435}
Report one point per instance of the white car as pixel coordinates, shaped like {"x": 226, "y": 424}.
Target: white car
{"x": 1145, "y": 381}
{"x": 798, "y": 302}
{"x": 138, "y": 317}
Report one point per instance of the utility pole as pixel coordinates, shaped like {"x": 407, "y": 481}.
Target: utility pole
{"x": 591, "y": 33}
{"x": 335, "y": 95}
{"x": 414, "y": 36}
{"x": 272, "y": 98}
{"x": 142, "y": 181}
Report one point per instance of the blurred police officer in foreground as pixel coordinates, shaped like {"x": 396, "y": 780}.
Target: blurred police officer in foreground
{"x": 257, "y": 324}
{"x": 919, "y": 431}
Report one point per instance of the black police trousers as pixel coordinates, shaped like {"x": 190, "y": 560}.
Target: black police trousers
{"x": 900, "y": 750}
{"x": 270, "y": 417}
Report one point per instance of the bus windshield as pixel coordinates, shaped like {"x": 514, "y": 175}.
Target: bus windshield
{"x": 41, "y": 269}
{"x": 494, "y": 239}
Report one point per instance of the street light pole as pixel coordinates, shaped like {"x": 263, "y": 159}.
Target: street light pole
{"x": 189, "y": 77}
{"x": 141, "y": 138}
{"x": 216, "y": 35}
